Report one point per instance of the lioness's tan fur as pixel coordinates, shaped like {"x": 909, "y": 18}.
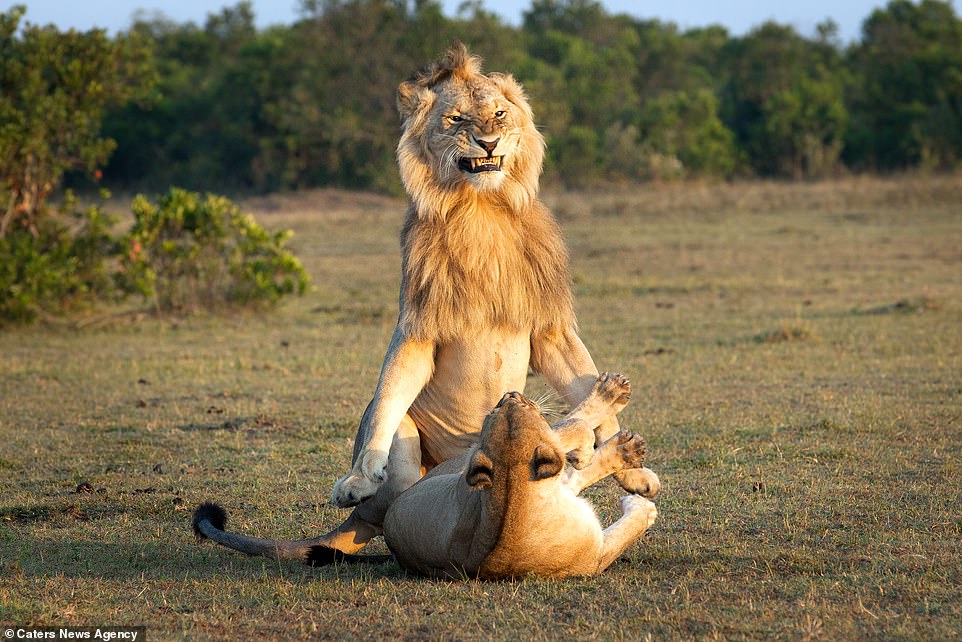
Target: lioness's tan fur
{"x": 509, "y": 507}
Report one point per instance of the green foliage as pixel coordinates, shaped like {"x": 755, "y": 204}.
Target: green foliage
{"x": 805, "y": 123}
{"x": 248, "y": 110}
{"x": 187, "y": 252}
{"x": 64, "y": 262}
{"x": 784, "y": 99}
{"x": 908, "y": 95}
{"x": 243, "y": 109}
{"x": 54, "y": 89}
{"x": 684, "y": 126}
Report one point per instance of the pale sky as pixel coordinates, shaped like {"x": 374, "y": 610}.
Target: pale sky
{"x": 737, "y": 15}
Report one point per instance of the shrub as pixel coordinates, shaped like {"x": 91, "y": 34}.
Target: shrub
{"x": 684, "y": 136}
{"x": 61, "y": 263}
{"x": 187, "y": 252}
{"x": 54, "y": 89}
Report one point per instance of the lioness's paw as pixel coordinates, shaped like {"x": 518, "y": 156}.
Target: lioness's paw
{"x": 640, "y": 481}
{"x": 631, "y": 449}
{"x": 580, "y": 457}
{"x": 644, "y": 508}
{"x": 614, "y": 389}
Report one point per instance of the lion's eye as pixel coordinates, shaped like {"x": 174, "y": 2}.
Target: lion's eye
{"x": 455, "y": 118}
{"x": 500, "y": 113}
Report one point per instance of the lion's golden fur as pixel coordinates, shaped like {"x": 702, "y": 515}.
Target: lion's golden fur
{"x": 473, "y": 258}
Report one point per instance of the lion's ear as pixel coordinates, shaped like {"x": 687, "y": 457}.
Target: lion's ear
{"x": 512, "y": 90}
{"x": 480, "y": 471}
{"x": 407, "y": 99}
{"x": 413, "y": 99}
{"x": 546, "y": 462}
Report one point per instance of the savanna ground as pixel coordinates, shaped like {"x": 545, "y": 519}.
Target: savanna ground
{"x": 796, "y": 353}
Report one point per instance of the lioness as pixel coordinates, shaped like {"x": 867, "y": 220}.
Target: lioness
{"x": 507, "y": 507}
{"x": 484, "y": 292}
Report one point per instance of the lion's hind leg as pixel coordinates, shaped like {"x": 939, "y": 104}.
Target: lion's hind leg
{"x": 366, "y": 520}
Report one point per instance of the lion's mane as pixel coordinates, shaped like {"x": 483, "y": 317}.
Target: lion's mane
{"x": 476, "y": 260}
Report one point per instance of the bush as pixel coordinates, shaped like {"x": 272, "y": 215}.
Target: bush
{"x": 684, "y": 136}
{"x": 54, "y": 90}
{"x": 61, "y": 263}
{"x": 187, "y": 252}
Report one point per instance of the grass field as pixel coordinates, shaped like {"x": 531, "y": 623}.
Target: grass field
{"x": 796, "y": 353}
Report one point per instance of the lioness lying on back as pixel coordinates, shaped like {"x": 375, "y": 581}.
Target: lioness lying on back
{"x": 508, "y": 506}
{"x": 511, "y": 506}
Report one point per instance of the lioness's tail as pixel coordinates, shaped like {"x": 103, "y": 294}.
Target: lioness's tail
{"x": 209, "y": 521}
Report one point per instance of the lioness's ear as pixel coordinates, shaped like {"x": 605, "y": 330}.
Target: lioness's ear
{"x": 546, "y": 462}
{"x": 480, "y": 471}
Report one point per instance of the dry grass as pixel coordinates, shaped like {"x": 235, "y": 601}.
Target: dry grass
{"x": 796, "y": 356}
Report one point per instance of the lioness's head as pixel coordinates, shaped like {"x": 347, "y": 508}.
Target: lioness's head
{"x": 464, "y": 131}
{"x": 515, "y": 438}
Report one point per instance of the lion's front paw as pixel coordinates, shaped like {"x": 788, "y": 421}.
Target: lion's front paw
{"x": 644, "y": 508}
{"x": 640, "y": 481}
{"x": 351, "y": 490}
{"x": 374, "y": 465}
{"x": 614, "y": 389}
{"x": 631, "y": 449}
{"x": 370, "y": 471}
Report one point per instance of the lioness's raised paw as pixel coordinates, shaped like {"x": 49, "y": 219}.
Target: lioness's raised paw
{"x": 631, "y": 449}
{"x": 580, "y": 458}
{"x": 614, "y": 389}
{"x": 640, "y": 481}
{"x": 369, "y": 473}
{"x": 639, "y": 506}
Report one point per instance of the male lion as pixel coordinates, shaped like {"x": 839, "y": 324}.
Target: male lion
{"x": 484, "y": 293}
{"x": 507, "y": 507}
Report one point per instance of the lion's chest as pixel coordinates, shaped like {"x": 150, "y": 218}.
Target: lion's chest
{"x": 470, "y": 376}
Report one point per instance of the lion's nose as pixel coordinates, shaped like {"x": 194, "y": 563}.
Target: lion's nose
{"x": 487, "y": 144}
{"x": 507, "y": 396}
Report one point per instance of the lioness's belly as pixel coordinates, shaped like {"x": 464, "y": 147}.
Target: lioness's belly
{"x": 470, "y": 376}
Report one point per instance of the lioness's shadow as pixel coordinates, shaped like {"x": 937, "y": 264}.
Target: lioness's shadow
{"x": 172, "y": 559}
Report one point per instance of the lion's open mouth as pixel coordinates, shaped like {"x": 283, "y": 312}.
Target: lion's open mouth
{"x": 478, "y": 165}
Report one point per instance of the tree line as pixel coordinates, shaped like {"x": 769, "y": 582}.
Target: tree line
{"x": 229, "y": 107}
{"x": 232, "y": 107}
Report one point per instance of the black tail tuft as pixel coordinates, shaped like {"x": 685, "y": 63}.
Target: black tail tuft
{"x": 325, "y": 556}
{"x": 208, "y": 512}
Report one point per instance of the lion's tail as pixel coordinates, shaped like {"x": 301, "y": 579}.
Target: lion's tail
{"x": 209, "y": 521}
